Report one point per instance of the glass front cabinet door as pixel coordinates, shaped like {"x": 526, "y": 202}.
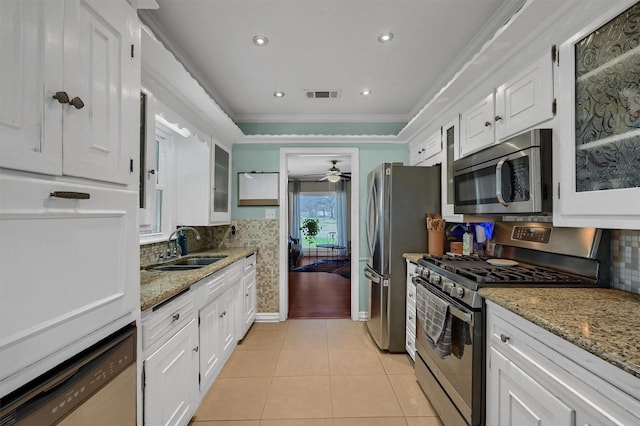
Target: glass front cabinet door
{"x": 597, "y": 162}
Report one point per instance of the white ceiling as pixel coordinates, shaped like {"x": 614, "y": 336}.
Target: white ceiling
{"x": 325, "y": 45}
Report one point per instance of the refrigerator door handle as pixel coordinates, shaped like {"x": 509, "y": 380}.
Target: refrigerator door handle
{"x": 371, "y": 208}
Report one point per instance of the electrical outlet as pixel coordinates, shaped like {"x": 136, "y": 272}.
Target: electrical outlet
{"x": 234, "y": 223}
{"x": 270, "y": 214}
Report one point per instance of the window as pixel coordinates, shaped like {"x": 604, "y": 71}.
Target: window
{"x": 321, "y": 206}
{"x": 159, "y": 216}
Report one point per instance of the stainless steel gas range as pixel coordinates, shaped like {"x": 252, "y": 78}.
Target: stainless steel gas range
{"x": 450, "y": 332}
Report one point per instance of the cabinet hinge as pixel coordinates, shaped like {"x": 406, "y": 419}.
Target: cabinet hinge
{"x": 130, "y": 165}
{"x": 144, "y": 378}
{"x": 558, "y": 190}
{"x": 132, "y": 47}
{"x": 199, "y": 378}
{"x": 555, "y": 54}
{"x": 554, "y": 106}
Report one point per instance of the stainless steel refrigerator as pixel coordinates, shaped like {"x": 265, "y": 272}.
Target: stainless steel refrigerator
{"x": 399, "y": 197}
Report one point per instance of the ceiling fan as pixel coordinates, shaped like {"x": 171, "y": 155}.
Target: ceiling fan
{"x": 334, "y": 174}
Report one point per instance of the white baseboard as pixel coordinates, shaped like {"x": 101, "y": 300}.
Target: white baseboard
{"x": 268, "y": 317}
{"x": 363, "y": 316}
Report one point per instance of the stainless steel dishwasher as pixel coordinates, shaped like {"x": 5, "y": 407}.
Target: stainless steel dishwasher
{"x": 96, "y": 387}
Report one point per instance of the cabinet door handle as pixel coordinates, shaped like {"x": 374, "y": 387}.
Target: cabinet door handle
{"x": 176, "y": 317}
{"x": 487, "y": 123}
{"x": 504, "y": 338}
{"x": 71, "y": 195}
{"x": 410, "y": 318}
{"x": 61, "y": 97}
{"x": 247, "y": 294}
{"x": 196, "y": 349}
{"x": 152, "y": 172}
{"x": 498, "y": 118}
{"x": 77, "y": 103}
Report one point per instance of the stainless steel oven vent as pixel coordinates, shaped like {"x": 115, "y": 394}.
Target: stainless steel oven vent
{"x": 323, "y": 94}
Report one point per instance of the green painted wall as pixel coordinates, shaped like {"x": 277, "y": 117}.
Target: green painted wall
{"x": 364, "y": 128}
{"x": 266, "y": 158}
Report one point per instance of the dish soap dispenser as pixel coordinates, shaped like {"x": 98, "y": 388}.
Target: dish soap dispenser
{"x": 467, "y": 242}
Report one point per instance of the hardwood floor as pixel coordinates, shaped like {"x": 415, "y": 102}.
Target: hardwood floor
{"x": 318, "y": 294}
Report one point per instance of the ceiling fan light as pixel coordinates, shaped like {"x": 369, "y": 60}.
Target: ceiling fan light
{"x": 333, "y": 178}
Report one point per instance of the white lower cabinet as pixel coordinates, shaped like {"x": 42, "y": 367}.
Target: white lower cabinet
{"x": 537, "y": 378}
{"x": 249, "y": 296}
{"x": 186, "y": 342}
{"x": 410, "y": 341}
{"x": 171, "y": 386}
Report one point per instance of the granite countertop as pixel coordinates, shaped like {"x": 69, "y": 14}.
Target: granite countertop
{"x": 413, "y": 257}
{"x": 604, "y": 322}
{"x": 156, "y": 286}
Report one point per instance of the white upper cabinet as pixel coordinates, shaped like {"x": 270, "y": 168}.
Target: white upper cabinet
{"x": 31, "y": 69}
{"x": 220, "y": 196}
{"x": 517, "y": 105}
{"x": 525, "y": 100}
{"x": 450, "y": 142}
{"x": 192, "y": 173}
{"x": 421, "y": 149}
{"x": 86, "y": 55}
{"x": 597, "y": 154}
{"x": 476, "y": 126}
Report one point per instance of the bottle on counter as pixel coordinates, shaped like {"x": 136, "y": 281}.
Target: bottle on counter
{"x": 467, "y": 242}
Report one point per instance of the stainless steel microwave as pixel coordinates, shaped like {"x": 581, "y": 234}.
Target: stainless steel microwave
{"x": 512, "y": 177}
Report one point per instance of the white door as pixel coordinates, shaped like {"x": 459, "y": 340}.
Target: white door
{"x": 171, "y": 379}
{"x": 31, "y": 70}
{"x": 226, "y": 316}
{"x": 210, "y": 344}
{"x": 525, "y": 100}
{"x": 477, "y": 126}
{"x": 515, "y": 399}
{"x": 102, "y": 78}
{"x": 249, "y": 300}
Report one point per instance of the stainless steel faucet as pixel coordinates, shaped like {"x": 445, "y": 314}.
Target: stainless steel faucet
{"x": 179, "y": 230}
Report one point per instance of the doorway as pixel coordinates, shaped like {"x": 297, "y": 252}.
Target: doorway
{"x": 310, "y": 285}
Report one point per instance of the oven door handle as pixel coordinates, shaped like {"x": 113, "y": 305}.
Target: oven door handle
{"x": 461, "y": 315}
{"x": 456, "y": 312}
{"x": 499, "y": 195}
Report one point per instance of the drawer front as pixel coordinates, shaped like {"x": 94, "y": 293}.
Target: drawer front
{"x": 250, "y": 264}
{"x": 233, "y": 273}
{"x": 411, "y": 320}
{"x": 410, "y": 345}
{"x": 214, "y": 285}
{"x": 167, "y": 319}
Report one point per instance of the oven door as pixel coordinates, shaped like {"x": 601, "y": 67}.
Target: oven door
{"x": 459, "y": 374}
{"x": 509, "y": 184}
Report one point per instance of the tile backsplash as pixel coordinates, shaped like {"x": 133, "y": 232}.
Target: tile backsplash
{"x": 263, "y": 234}
{"x": 625, "y": 251}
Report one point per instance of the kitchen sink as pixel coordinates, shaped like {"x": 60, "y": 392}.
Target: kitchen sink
{"x": 199, "y": 261}
{"x": 188, "y": 264}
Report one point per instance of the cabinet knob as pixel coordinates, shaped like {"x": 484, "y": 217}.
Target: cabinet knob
{"x": 504, "y": 338}
{"x": 77, "y": 103}
{"x": 61, "y": 97}
{"x": 152, "y": 172}
{"x": 176, "y": 317}
{"x": 196, "y": 349}
{"x": 487, "y": 123}
{"x": 498, "y": 118}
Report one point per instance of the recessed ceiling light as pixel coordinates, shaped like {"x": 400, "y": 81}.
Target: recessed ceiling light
{"x": 365, "y": 92}
{"x": 278, "y": 94}
{"x": 260, "y": 41}
{"x": 385, "y": 37}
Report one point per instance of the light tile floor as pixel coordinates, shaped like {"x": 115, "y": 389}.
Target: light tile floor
{"x": 314, "y": 373}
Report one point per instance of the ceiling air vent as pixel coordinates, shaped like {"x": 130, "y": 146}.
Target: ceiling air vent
{"x": 323, "y": 94}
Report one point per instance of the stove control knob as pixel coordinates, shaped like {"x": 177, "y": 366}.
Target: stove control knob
{"x": 447, "y": 286}
{"x": 456, "y": 292}
{"x": 419, "y": 270}
{"x": 435, "y": 279}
